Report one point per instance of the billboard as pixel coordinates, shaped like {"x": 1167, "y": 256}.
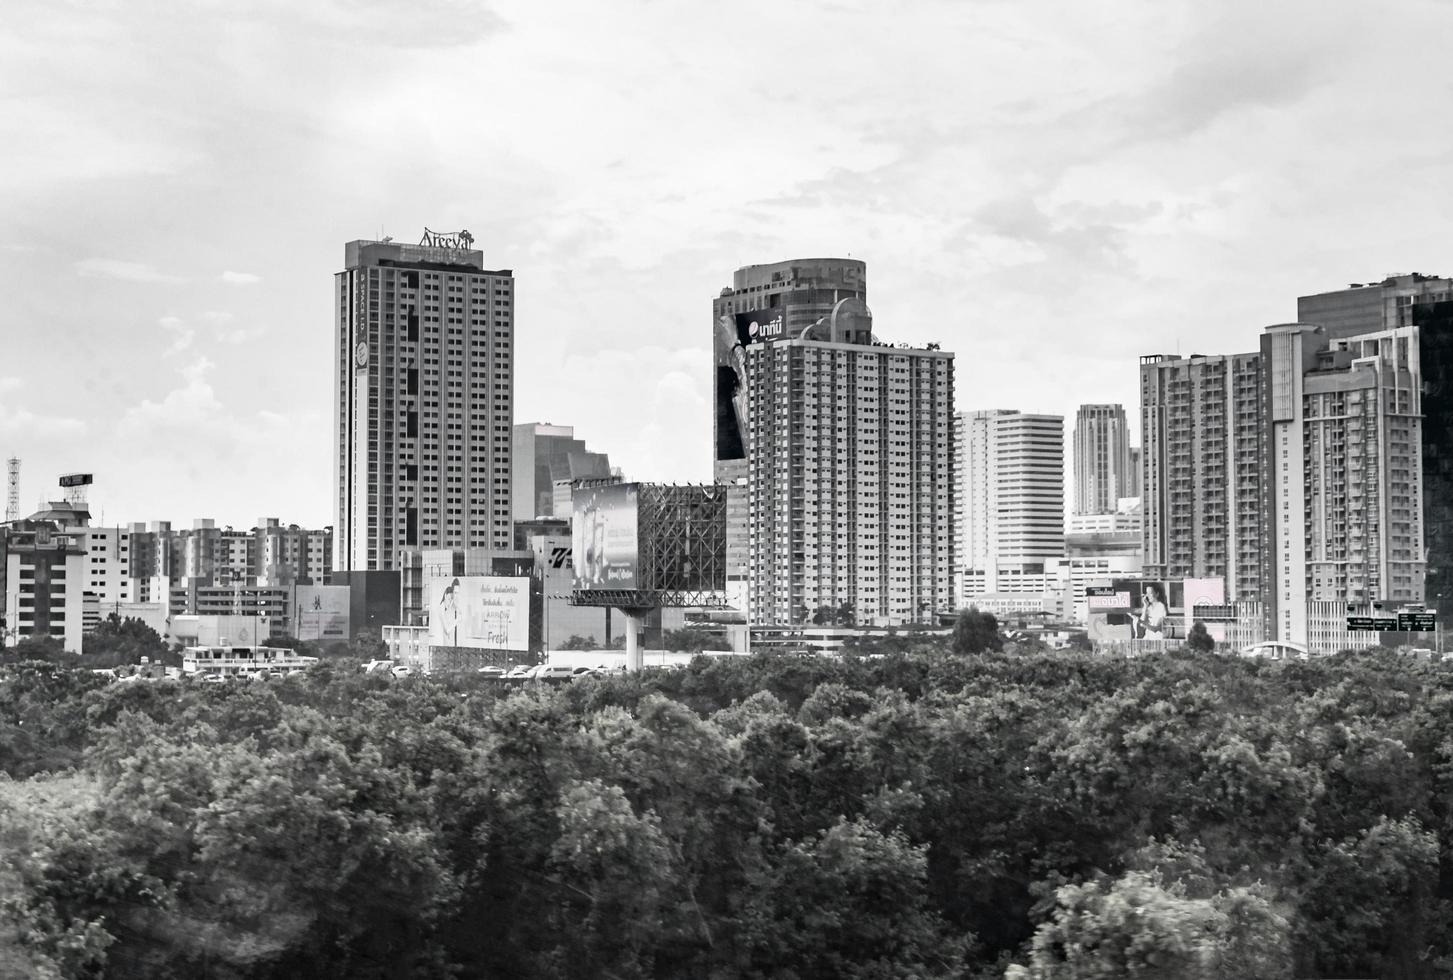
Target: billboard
{"x": 1132, "y": 609}
{"x": 321, "y": 612}
{"x": 1205, "y": 592}
{"x": 482, "y": 612}
{"x": 605, "y": 537}
{"x": 734, "y": 331}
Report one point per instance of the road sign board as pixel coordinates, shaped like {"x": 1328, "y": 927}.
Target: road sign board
{"x": 1374, "y": 624}
{"x": 1418, "y": 622}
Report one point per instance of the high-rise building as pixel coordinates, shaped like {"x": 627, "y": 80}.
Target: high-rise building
{"x": 543, "y": 455}
{"x": 1293, "y": 473}
{"x": 424, "y": 339}
{"x": 1011, "y": 466}
{"x": 1103, "y": 468}
{"x": 766, "y": 304}
{"x": 849, "y": 453}
{"x": 1427, "y": 303}
{"x": 1201, "y": 423}
{"x": 1343, "y": 521}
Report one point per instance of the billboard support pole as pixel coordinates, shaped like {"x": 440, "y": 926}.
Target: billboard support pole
{"x": 635, "y": 623}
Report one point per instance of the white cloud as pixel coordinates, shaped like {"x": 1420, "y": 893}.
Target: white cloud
{"x": 182, "y": 334}
{"x": 123, "y": 271}
{"x": 21, "y": 422}
{"x": 9, "y": 384}
{"x": 240, "y": 278}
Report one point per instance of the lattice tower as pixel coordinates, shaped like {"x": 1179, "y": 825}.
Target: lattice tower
{"x": 12, "y": 494}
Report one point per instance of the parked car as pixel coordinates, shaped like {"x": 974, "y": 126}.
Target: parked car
{"x": 213, "y": 679}
{"x": 554, "y": 672}
{"x": 402, "y": 670}
{"x": 491, "y": 672}
{"x": 520, "y": 670}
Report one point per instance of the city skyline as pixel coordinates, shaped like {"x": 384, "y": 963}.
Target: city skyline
{"x": 173, "y": 230}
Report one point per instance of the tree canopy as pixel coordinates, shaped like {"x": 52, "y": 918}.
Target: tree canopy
{"x": 913, "y": 813}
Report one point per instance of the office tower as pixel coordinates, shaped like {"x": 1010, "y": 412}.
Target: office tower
{"x": 1343, "y": 523}
{"x": 1103, "y": 472}
{"x": 764, "y": 304}
{"x": 1427, "y": 303}
{"x": 1201, "y": 423}
{"x": 542, "y": 456}
{"x": 1012, "y": 465}
{"x": 849, "y": 451}
{"x": 424, "y": 389}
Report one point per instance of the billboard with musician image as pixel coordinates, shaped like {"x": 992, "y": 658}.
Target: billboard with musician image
{"x": 605, "y": 536}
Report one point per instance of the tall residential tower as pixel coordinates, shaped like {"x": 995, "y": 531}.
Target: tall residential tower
{"x": 423, "y": 373}
{"x": 1103, "y": 468}
{"x": 849, "y": 451}
{"x": 765, "y": 304}
{"x": 1012, "y": 517}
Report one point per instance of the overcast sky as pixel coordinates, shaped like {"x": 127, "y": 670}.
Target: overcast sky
{"x": 1048, "y": 189}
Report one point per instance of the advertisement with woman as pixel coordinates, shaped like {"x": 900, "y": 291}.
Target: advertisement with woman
{"x": 482, "y": 612}
{"x": 1133, "y": 609}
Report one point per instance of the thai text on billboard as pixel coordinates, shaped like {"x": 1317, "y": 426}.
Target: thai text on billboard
{"x": 1131, "y": 609}
{"x": 606, "y": 537}
{"x": 482, "y": 612}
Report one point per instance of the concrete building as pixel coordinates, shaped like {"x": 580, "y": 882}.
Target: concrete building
{"x": 1295, "y": 473}
{"x": 1427, "y": 303}
{"x": 1103, "y": 468}
{"x": 1011, "y": 519}
{"x": 767, "y": 304}
{"x": 424, "y": 382}
{"x": 45, "y": 575}
{"x": 543, "y": 455}
{"x": 849, "y": 475}
{"x": 1344, "y": 461}
{"x": 1201, "y": 424}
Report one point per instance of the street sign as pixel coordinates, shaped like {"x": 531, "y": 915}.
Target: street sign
{"x": 1417, "y": 622}
{"x": 1372, "y": 624}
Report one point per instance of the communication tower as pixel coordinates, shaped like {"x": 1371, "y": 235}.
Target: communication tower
{"x": 12, "y": 495}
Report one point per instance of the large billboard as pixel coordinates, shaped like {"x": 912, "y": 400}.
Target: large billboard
{"x": 1132, "y": 609}
{"x": 605, "y": 536}
{"x": 321, "y": 612}
{"x": 734, "y": 332}
{"x": 482, "y": 612}
{"x": 1205, "y": 592}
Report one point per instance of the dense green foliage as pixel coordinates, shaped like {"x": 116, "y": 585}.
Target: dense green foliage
{"x": 910, "y": 815}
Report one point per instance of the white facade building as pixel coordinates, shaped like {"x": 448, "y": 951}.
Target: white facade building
{"x": 1012, "y": 515}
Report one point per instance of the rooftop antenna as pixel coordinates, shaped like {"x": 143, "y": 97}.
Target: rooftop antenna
{"x": 12, "y": 496}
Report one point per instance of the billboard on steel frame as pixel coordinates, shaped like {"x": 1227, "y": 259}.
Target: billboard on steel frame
{"x": 605, "y": 536}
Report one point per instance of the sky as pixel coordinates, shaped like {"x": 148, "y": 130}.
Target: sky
{"x": 1047, "y": 189}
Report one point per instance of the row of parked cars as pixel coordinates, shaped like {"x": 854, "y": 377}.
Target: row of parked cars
{"x": 542, "y": 672}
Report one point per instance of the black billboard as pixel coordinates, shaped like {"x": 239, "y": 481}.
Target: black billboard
{"x": 734, "y": 332}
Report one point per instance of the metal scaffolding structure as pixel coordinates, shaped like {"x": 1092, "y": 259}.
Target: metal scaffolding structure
{"x": 680, "y": 557}
{"x": 681, "y": 551}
